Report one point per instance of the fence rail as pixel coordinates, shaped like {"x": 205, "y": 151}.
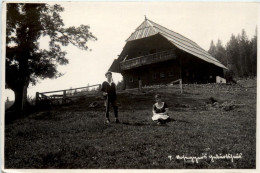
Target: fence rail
{"x": 64, "y": 95}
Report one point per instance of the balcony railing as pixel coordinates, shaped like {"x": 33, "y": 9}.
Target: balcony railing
{"x": 147, "y": 59}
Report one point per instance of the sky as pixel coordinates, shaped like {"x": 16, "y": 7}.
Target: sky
{"x": 113, "y": 22}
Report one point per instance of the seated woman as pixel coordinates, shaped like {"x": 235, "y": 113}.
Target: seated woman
{"x": 160, "y": 110}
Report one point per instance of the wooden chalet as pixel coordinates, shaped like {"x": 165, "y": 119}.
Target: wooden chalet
{"x": 157, "y": 55}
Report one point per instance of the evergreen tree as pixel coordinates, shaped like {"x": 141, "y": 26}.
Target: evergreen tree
{"x": 244, "y": 52}
{"x": 239, "y": 55}
{"x": 232, "y": 49}
{"x": 253, "y": 54}
{"x": 221, "y": 53}
{"x": 212, "y": 50}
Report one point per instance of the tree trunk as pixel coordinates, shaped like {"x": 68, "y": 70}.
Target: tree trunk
{"x": 20, "y": 93}
{"x": 22, "y": 84}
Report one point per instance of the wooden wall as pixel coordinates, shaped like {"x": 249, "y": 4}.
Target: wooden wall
{"x": 186, "y": 67}
{"x": 166, "y": 72}
{"x": 159, "y": 73}
{"x": 145, "y": 46}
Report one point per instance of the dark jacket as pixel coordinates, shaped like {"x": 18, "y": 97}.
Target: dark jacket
{"x": 110, "y": 90}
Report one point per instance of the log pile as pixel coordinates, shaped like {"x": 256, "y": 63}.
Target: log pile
{"x": 225, "y": 106}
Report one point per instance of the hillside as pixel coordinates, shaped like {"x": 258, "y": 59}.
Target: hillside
{"x": 207, "y": 119}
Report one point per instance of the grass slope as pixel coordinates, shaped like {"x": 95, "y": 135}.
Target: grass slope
{"x": 74, "y": 136}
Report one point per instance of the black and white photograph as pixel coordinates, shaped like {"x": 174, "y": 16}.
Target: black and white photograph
{"x": 129, "y": 85}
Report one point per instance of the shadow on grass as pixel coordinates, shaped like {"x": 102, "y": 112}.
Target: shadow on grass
{"x": 152, "y": 123}
{"x": 137, "y": 124}
{"x": 183, "y": 121}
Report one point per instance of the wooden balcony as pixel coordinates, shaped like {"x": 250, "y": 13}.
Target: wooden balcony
{"x": 147, "y": 59}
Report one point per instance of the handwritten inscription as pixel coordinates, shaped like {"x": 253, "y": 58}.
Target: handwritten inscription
{"x": 196, "y": 159}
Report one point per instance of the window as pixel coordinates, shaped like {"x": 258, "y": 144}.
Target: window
{"x": 154, "y": 76}
{"x": 162, "y": 75}
{"x": 131, "y": 79}
{"x": 152, "y": 51}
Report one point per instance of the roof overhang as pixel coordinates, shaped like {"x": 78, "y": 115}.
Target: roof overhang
{"x": 115, "y": 66}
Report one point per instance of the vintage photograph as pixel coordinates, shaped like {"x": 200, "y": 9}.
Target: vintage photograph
{"x": 129, "y": 85}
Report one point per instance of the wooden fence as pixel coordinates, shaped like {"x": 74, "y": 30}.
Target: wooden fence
{"x": 64, "y": 96}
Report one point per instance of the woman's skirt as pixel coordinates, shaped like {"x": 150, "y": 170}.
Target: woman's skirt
{"x": 155, "y": 117}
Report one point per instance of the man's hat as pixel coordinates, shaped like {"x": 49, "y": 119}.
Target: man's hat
{"x": 109, "y": 72}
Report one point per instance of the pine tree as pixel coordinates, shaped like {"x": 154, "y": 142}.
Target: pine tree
{"x": 239, "y": 55}
{"x": 212, "y": 50}
{"x": 244, "y": 52}
{"x": 253, "y": 54}
{"x": 232, "y": 49}
{"x": 221, "y": 53}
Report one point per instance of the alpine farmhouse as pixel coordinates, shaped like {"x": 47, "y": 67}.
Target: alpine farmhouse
{"x": 156, "y": 55}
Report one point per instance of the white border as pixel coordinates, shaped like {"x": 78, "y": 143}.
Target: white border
{"x": 2, "y": 120}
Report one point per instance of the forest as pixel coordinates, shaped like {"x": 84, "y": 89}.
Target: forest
{"x": 239, "y": 55}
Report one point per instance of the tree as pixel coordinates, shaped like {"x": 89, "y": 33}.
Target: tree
{"x": 120, "y": 85}
{"x": 26, "y": 24}
{"x": 221, "y": 53}
{"x": 253, "y": 54}
{"x": 244, "y": 52}
{"x": 212, "y": 49}
{"x": 218, "y": 52}
{"x": 239, "y": 55}
{"x": 232, "y": 49}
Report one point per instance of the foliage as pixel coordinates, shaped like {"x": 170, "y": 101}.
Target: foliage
{"x": 120, "y": 85}
{"x": 27, "y": 24}
{"x": 239, "y": 55}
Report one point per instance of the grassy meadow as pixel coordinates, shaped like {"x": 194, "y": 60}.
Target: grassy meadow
{"x": 207, "y": 119}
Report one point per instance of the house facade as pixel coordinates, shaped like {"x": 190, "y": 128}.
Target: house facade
{"x": 157, "y": 55}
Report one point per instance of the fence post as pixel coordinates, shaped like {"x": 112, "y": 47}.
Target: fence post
{"x": 37, "y": 98}
{"x": 64, "y": 97}
{"x": 99, "y": 93}
{"x": 181, "y": 85}
{"x": 140, "y": 85}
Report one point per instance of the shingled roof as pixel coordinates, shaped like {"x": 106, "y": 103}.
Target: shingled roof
{"x": 149, "y": 28}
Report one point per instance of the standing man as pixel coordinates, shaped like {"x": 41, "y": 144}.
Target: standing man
{"x": 109, "y": 92}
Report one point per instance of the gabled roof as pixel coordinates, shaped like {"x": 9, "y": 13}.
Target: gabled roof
{"x": 149, "y": 28}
